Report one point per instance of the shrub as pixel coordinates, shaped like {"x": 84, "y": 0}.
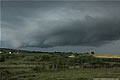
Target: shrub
{"x": 97, "y": 61}
{"x": 86, "y": 59}
{"x": 39, "y": 68}
{"x": 44, "y": 57}
{"x": 2, "y": 58}
{"x": 29, "y": 58}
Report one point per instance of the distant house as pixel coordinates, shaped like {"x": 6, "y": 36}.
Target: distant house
{"x": 10, "y": 52}
{"x": 0, "y": 52}
{"x": 71, "y": 56}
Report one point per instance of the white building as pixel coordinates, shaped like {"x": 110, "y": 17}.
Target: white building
{"x": 0, "y": 52}
{"x": 10, "y": 52}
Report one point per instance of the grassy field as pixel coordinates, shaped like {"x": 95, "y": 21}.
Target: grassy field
{"x": 54, "y": 67}
{"x": 106, "y": 56}
{"x": 73, "y": 74}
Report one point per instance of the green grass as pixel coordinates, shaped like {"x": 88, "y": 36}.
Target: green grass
{"x": 73, "y": 74}
{"x": 20, "y": 68}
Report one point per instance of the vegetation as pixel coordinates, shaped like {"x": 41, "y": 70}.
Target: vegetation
{"x": 2, "y": 58}
{"x": 106, "y": 56}
{"x": 86, "y": 59}
{"x": 56, "y": 66}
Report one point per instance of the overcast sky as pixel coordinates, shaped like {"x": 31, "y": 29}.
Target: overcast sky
{"x": 78, "y": 26}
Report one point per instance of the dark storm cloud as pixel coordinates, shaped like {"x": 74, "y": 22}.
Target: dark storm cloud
{"x": 50, "y": 24}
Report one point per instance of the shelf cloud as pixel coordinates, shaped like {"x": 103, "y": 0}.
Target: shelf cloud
{"x": 66, "y": 23}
